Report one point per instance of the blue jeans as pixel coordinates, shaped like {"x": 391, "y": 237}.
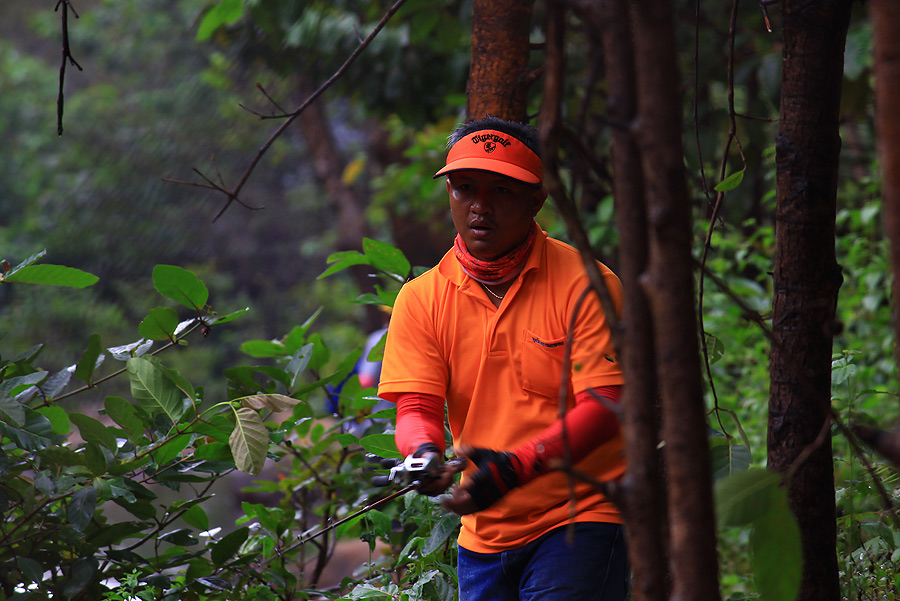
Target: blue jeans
{"x": 593, "y": 568}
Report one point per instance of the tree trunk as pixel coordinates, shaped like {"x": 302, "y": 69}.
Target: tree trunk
{"x": 669, "y": 285}
{"x": 885, "y": 17}
{"x": 498, "y": 77}
{"x": 807, "y": 280}
{"x": 643, "y": 503}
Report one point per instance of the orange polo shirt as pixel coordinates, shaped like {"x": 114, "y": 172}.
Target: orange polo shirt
{"x": 500, "y": 370}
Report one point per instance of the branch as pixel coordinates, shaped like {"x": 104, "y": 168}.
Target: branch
{"x": 233, "y": 193}
{"x": 66, "y": 57}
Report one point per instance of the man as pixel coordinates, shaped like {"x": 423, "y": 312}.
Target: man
{"x": 485, "y": 332}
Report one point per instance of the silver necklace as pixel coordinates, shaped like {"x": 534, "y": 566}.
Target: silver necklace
{"x": 491, "y": 292}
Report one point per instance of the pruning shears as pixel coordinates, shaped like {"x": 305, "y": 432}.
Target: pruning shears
{"x": 413, "y": 470}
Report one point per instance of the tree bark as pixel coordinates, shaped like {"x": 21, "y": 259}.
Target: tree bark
{"x": 807, "y": 280}
{"x": 885, "y": 18}
{"x": 669, "y": 285}
{"x": 498, "y": 77}
{"x": 642, "y": 491}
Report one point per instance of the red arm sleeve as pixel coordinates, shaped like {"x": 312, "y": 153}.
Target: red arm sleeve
{"x": 420, "y": 420}
{"x": 588, "y": 425}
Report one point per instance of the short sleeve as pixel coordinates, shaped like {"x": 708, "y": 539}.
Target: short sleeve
{"x": 413, "y": 358}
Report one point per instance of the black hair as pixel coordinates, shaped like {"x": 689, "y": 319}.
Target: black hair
{"x": 523, "y": 132}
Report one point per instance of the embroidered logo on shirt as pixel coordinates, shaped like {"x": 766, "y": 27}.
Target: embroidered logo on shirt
{"x": 537, "y": 340}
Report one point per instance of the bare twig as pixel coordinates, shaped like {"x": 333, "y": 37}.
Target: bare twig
{"x": 66, "y": 58}
{"x": 233, "y": 193}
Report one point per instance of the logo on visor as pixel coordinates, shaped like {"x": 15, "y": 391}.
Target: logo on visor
{"x": 489, "y": 147}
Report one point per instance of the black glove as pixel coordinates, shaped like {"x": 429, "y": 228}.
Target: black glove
{"x": 497, "y": 474}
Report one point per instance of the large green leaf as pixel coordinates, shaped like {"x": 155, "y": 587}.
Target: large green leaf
{"x": 12, "y": 412}
{"x": 440, "y": 533}
{"x": 81, "y": 507}
{"x": 159, "y": 324}
{"x": 53, "y": 275}
{"x": 249, "y": 441}
{"x": 34, "y": 435}
{"x": 225, "y": 12}
{"x": 746, "y": 496}
{"x": 386, "y": 258}
{"x": 171, "y": 448}
{"x": 381, "y": 445}
{"x": 180, "y": 285}
{"x": 153, "y": 390}
{"x": 224, "y": 549}
{"x": 728, "y": 458}
{"x": 94, "y": 431}
{"x": 776, "y": 552}
{"x": 126, "y": 415}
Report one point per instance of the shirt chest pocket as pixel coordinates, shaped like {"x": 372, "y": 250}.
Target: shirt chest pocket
{"x": 542, "y": 361}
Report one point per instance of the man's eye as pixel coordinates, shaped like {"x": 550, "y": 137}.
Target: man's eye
{"x": 502, "y": 190}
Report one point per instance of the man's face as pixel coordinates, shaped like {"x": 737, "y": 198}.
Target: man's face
{"x": 492, "y": 213}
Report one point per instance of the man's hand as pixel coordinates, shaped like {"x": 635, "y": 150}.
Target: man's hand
{"x": 439, "y": 479}
{"x": 496, "y": 475}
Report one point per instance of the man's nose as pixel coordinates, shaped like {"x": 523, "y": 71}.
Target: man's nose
{"x": 482, "y": 203}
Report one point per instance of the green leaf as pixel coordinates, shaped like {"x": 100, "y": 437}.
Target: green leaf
{"x": 731, "y": 182}
{"x": 175, "y": 377}
{"x": 34, "y": 435}
{"x": 126, "y": 415}
{"x": 25, "y": 263}
{"x": 95, "y": 459}
{"x": 179, "y": 536}
{"x": 744, "y": 496}
{"x": 17, "y": 384}
{"x": 59, "y": 419}
{"x": 81, "y": 507}
{"x": 225, "y": 12}
{"x": 84, "y": 371}
{"x": 180, "y": 285}
{"x": 249, "y": 441}
{"x": 81, "y": 574}
{"x": 93, "y": 431}
{"x": 728, "y": 458}
{"x": 224, "y": 549}
{"x": 12, "y": 411}
{"x": 229, "y": 317}
{"x": 275, "y": 402}
{"x": 196, "y": 517}
{"x": 387, "y": 258}
{"x": 381, "y": 445}
{"x": 114, "y": 534}
{"x": 340, "y": 261}
{"x": 261, "y": 349}
{"x": 159, "y": 324}
{"x": 53, "y": 275}
{"x": 381, "y": 522}
{"x": 447, "y": 525}
{"x": 30, "y": 568}
{"x": 153, "y": 390}
{"x": 776, "y": 553}
{"x": 171, "y": 448}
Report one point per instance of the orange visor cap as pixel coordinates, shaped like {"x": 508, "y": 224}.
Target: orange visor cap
{"x": 497, "y": 152}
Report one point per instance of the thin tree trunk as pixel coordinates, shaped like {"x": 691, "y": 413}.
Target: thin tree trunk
{"x": 885, "y": 17}
{"x": 643, "y": 503}
{"x": 498, "y": 77}
{"x": 807, "y": 280}
{"x": 669, "y": 285}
